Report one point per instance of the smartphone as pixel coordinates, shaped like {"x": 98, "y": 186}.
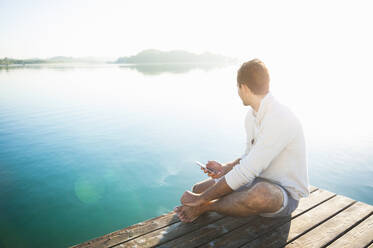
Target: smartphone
{"x": 204, "y": 166}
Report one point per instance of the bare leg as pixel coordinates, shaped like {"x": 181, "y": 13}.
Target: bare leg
{"x": 263, "y": 197}
{"x": 202, "y": 186}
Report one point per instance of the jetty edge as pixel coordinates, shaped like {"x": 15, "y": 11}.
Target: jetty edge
{"x": 322, "y": 219}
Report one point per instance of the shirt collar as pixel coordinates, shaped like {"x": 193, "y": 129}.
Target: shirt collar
{"x": 263, "y": 107}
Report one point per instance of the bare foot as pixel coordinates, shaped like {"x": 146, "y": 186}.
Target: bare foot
{"x": 189, "y": 214}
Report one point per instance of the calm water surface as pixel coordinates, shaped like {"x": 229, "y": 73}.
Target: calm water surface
{"x": 87, "y": 150}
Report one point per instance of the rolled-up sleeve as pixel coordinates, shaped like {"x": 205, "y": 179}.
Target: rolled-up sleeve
{"x": 274, "y": 136}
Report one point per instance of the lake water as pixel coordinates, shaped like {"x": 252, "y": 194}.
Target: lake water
{"x": 87, "y": 150}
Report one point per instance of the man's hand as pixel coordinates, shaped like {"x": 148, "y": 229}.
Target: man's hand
{"x": 219, "y": 169}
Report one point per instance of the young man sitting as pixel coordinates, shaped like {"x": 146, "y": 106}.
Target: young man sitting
{"x": 271, "y": 176}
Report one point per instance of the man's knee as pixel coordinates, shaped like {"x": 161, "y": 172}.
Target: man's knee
{"x": 264, "y": 196}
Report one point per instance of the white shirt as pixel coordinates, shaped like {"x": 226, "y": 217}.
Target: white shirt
{"x": 278, "y": 151}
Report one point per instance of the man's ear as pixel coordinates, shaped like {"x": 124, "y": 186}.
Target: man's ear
{"x": 248, "y": 92}
{"x": 245, "y": 88}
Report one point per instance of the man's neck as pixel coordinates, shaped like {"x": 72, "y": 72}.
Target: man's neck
{"x": 255, "y": 105}
{"x": 256, "y": 102}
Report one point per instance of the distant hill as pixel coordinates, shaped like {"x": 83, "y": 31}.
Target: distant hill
{"x": 150, "y": 56}
{"x": 57, "y": 59}
{"x": 9, "y": 61}
{"x": 175, "y": 56}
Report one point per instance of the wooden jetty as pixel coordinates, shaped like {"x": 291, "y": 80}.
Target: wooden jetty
{"x": 323, "y": 219}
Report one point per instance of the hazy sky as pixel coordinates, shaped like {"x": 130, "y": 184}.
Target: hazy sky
{"x": 298, "y": 40}
{"x": 37, "y": 28}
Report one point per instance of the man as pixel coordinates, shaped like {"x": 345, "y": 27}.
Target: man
{"x": 271, "y": 176}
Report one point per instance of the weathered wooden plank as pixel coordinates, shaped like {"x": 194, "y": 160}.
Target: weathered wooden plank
{"x": 132, "y": 231}
{"x": 170, "y": 232}
{"x": 137, "y": 230}
{"x": 370, "y": 245}
{"x": 209, "y": 232}
{"x": 303, "y": 224}
{"x": 317, "y": 197}
{"x": 282, "y": 234}
{"x": 163, "y": 235}
{"x": 360, "y": 236}
{"x": 312, "y": 188}
{"x": 330, "y": 229}
{"x": 249, "y": 231}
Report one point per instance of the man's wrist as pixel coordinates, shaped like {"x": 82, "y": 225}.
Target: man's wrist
{"x": 228, "y": 167}
{"x": 233, "y": 163}
{"x": 236, "y": 162}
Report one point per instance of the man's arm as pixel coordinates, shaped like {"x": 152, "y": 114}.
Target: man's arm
{"x": 276, "y": 135}
{"x": 229, "y": 166}
{"x": 221, "y": 188}
{"x": 218, "y": 190}
{"x": 219, "y": 169}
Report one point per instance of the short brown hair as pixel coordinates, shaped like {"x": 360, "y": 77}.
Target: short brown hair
{"x": 255, "y": 75}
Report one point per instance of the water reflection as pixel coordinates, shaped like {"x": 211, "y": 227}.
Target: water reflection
{"x": 54, "y": 67}
{"x": 156, "y": 69}
{"x": 146, "y": 69}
